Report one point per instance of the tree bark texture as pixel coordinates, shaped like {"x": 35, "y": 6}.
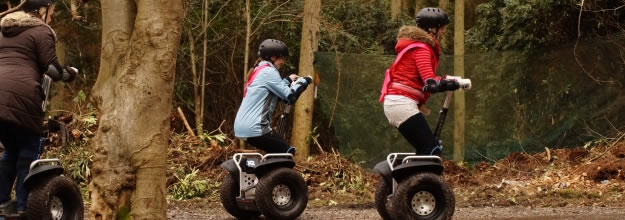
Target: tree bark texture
{"x": 459, "y": 101}
{"x": 395, "y": 9}
{"x": 140, "y": 42}
{"x": 444, "y": 4}
{"x": 197, "y": 97}
{"x": 204, "y": 57}
{"x": 246, "y": 62}
{"x": 302, "y": 122}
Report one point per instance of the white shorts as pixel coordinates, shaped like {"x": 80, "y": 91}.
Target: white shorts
{"x": 399, "y": 108}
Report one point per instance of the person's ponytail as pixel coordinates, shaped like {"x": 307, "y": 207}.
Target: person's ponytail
{"x": 249, "y": 72}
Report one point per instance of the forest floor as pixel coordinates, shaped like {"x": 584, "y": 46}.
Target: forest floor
{"x": 592, "y": 176}
{"x": 554, "y": 184}
{"x": 578, "y": 183}
{"x": 489, "y": 213}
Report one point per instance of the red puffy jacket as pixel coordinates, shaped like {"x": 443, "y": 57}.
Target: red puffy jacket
{"x": 416, "y": 66}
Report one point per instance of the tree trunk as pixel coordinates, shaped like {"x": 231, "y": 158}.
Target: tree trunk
{"x": 197, "y": 96}
{"x": 139, "y": 47}
{"x": 444, "y": 4}
{"x": 395, "y": 9}
{"x": 459, "y": 102}
{"x": 117, "y": 24}
{"x": 248, "y": 34}
{"x": 419, "y": 4}
{"x": 204, "y": 55}
{"x": 61, "y": 95}
{"x": 302, "y": 122}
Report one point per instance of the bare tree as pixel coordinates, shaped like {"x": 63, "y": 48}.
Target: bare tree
{"x": 395, "y": 9}
{"x": 459, "y": 101}
{"x": 302, "y": 123}
{"x": 140, "y": 40}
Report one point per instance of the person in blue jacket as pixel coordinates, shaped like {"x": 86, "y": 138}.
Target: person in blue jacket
{"x": 265, "y": 87}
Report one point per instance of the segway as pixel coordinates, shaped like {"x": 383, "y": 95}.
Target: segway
{"x": 264, "y": 184}
{"x": 52, "y": 196}
{"x": 412, "y": 186}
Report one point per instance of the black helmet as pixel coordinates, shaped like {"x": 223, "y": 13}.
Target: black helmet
{"x": 271, "y": 47}
{"x": 431, "y": 18}
{"x": 35, "y": 5}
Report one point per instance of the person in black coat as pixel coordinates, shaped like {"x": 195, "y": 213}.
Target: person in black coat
{"x": 27, "y": 51}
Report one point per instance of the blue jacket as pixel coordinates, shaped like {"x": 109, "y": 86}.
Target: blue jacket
{"x": 254, "y": 116}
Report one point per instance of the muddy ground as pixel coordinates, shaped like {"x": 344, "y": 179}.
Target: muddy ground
{"x": 491, "y": 213}
{"x": 576, "y": 183}
{"x": 572, "y": 183}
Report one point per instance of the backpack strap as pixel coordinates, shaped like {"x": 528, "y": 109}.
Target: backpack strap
{"x": 387, "y": 75}
{"x": 253, "y": 76}
{"x": 405, "y": 50}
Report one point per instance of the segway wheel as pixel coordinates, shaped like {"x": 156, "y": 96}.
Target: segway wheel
{"x": 57, "y": 198}
{"x": 424, "y": 196}
{"x": 382, "y": 203}
{"x": 228, "y": 194}
{"x": 281, "y": 194}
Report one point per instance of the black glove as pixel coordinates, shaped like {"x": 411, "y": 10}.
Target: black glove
{"x": 432, "y": 86}
{"x": 69, "y": 73}
{"x": 308, "y": 79}
{"x": 449, "y": 85}
{"x": 299, "y": 86}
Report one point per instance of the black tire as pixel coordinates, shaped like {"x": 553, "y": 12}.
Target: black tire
{"x": 382, "y": 204}
{"x": 295, "y": 199}
{"x": 228, "y": 194}
{"x": 55, "y": 194}
{"x": 422, "y": 188}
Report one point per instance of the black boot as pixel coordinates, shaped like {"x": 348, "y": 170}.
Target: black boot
{"x": 418, "y": 134}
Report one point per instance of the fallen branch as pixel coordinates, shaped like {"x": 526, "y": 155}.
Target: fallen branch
{"x": 13, "y": 9}
{"x": 317, "y": 144}
{"x": 186, "y": 123}
{"x": 549, "y": 158}
{"x": 612, "y": 145}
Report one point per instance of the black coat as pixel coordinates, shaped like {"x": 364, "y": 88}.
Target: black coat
{"x": 27, "y": 48}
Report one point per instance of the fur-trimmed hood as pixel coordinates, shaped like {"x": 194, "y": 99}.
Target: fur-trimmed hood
{"x": 410, "y": 34}
{"x": 17, "y": 22}
{"x": 416, "y": 34}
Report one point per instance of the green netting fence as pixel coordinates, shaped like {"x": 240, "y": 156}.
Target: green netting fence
{"x": 519, "y": 101}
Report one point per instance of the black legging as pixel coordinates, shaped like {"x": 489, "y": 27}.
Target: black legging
{"x": 270, "y": 143}
{"x": 417, "y": 132}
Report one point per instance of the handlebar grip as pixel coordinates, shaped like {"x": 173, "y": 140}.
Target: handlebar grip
{"x": 465, "y": 84}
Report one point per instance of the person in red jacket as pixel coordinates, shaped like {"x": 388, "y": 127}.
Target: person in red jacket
{"x": 412, "y": 79}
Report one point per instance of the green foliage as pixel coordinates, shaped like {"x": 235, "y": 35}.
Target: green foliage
{"x": 523, "y": 25}
{"x": 79, "y": 169}
{"x": 123, "y": 213}
{"x": 89, "y": 120}
{"x": 80, "y": 97}
{"x": 359, "y": 27}
{"x": 217, "y": 138}
{"x": 191, "y": 185}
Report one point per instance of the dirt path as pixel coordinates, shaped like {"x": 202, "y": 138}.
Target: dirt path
{"x": 491, "y": 213}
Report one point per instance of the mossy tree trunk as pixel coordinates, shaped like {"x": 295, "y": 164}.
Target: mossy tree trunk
{"x": 140, "y": 40}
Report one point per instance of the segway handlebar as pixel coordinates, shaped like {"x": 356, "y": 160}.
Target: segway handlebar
{"x": 465, "y": 84}
{"x": 37, "y": 162}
